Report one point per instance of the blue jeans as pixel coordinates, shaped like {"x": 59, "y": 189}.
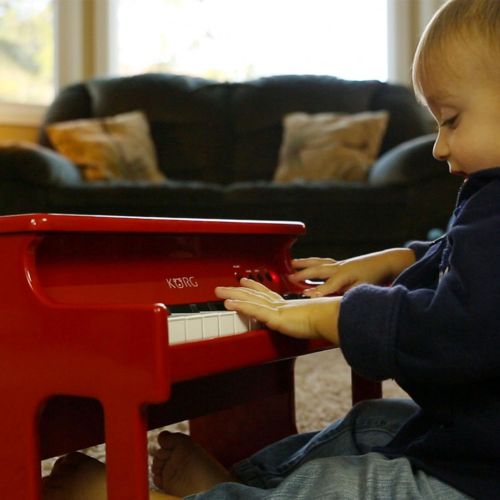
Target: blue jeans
{"x": 336, "y": 463}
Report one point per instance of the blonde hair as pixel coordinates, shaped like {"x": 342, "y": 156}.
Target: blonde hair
{"x": 465, "y": 21}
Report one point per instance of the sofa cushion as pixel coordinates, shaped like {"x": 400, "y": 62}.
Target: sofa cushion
{"x": 258, "y": 108}
{"x": 117, "y": 147}
{"x": 33, "y": 164}
{"x": 230, "y": 132}
{"x": 330, "y": 145}
{"x": 409, "y": 163}
{"x": 188, "y": 118}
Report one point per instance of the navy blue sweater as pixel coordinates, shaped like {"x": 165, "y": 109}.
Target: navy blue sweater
{"x": 436, "y": 331}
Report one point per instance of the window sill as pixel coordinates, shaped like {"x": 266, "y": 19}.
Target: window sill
{"x": 27, "y": 115}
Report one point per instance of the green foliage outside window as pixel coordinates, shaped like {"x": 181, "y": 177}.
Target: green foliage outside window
{"x": 26, "y": 51}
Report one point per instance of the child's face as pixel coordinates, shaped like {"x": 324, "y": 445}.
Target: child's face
{"x": 466, "y": 107}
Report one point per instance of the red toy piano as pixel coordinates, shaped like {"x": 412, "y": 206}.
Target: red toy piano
{"x": 109, "y": 326}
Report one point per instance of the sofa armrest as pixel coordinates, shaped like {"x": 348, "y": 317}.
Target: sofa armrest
{"x": 36, "y": 165}
{"x": 408, "y": 163}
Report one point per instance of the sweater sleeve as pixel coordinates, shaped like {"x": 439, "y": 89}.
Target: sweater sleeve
{"x": 420, "y": 247}
{"x": 451, "y": 331}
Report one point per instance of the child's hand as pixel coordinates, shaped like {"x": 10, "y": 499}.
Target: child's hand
{"x": 339, "y": 276}
{"x": 375, "y": 268}
{"x": 305, "y": 319}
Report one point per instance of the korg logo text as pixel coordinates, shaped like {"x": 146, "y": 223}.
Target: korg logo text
{"x": 182, "y": 282}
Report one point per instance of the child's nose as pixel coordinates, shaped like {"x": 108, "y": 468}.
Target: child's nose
{"x": 440, "y": 150}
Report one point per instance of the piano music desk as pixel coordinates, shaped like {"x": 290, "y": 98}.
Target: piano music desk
{"x": 85, "y": 353}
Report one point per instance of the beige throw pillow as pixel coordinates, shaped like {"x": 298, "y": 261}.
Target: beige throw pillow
{"x": 328, "y": 146}
{"x": 117, "y": 147}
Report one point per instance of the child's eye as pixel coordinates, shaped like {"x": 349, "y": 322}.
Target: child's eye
{"x": 449, "y": 122}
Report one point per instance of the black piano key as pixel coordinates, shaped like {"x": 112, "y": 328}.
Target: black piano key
{"x": 196, "y": 307}
{"x": 214, "y": 306}
{"x": 294, "y": 296}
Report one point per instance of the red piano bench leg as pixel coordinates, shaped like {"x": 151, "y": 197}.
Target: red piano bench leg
{"x": 363, "y": 388}
{"x": 20, "y": 458}
{"x": 126, "y": 453}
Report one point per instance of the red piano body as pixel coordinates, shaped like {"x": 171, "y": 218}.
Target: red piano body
{"x": 85, "y": 353}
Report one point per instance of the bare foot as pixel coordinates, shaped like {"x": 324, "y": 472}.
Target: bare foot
{"x": 182, "y": 467}
{"x": 76, "y": 477}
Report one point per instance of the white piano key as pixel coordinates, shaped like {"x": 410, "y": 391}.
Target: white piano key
{"x": 240, "y": 323}
{"x": 210, "y": 325}
{"x": 226, "y": 323}
{"x": 176, "y": 329}
{"x": 191, "y": 327}
{"x": 194, "y": 327}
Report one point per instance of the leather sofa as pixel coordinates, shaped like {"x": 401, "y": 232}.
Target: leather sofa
{"x": 218, "y": 144}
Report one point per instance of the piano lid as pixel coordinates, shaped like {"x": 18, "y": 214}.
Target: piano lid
{"x": 48, "y": 222}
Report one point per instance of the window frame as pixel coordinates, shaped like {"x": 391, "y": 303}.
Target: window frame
{"x": 80, "y": 27}
{"x": 84, "y": 35}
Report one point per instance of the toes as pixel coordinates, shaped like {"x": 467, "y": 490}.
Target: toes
{"x": 165, "y": 439}
{"x": 157, "y": 466}
{"x": 161, "y": 454}
{"x": 160, "y": 459}
{"x": 62, "y": 466}
{"x": 169, "y": 440}
{"x": 158, "y": 481}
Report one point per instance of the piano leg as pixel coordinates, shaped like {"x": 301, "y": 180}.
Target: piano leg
{"x": 19, "y": 455}
{"x": 239, "y": 431}
{"x": 126, "y": 452}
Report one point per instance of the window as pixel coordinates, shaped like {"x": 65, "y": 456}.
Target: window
{"x": 237, "y": 40}
{"x": 46, "y": 44}
{"x": 26, "y": 51}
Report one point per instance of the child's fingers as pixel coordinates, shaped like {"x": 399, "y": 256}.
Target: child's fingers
{"x": 259, "y": 287}
{"x": 292, "y": 318}
{"x": 333, "y": 285}
{"x": 323, "y": 271}
{"x": 254, "y": 285}
{"x": 311, "y": 262}
{"x": 246, "y": 294}
{"x": 302, "y": 263}
{"x": 261, "y": 312}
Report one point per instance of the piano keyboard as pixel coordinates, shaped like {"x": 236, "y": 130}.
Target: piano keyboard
{"x": 191, "y": 327}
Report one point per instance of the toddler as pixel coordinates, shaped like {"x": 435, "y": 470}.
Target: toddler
{"x": 436, "y": 330}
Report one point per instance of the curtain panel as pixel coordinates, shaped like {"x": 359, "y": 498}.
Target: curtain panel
{"x": 406, "y": 22}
